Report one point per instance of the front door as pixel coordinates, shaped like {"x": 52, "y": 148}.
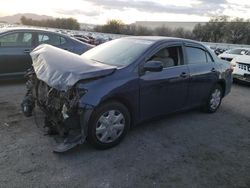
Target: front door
{"x": 14, "y": 53}
{"x": 165, "y": 91}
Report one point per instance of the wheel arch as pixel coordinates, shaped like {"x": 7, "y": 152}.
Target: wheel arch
{"x": 124, "y": 102}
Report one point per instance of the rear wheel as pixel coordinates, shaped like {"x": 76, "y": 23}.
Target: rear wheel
{"x": 214, "y": 99}
{"x": 109, "y": 124}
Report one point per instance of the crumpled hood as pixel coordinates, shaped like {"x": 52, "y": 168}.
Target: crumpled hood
{"x": 61, "y": 69}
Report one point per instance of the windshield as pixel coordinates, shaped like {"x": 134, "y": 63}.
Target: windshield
{"x": 237, "y": 51}
{"x": 119, "y": 52}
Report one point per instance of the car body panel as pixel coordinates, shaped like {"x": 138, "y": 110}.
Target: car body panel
{"x": 15, "y": 60}
{"x": 202, "y": 79}
{"x": 168, "y": 87}
{"x": 61, "y": 69}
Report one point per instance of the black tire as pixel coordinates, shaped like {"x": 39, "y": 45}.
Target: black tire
{"x": 208, "y": 107}
{"x": 99, "y": 112}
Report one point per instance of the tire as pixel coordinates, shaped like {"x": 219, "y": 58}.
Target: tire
{"x": 214, "y": 99}
{"x": 109, "y": 124}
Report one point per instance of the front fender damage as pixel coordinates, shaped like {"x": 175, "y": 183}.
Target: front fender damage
{"x": 79, "y": 137}
{"x": 63, "y": 115}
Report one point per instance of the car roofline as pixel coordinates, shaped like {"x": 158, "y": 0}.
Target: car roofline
{"x": 7, "y": 30}
{"x": 162, "y": 39}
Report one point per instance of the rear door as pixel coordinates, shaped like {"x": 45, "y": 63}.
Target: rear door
{"x": 165, "y": 91}
{"x": 203, "y": 73}
{"x": 14, "y": 52}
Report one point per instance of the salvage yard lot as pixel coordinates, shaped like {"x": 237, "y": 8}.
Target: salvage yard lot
{"x": 188, "y": 149}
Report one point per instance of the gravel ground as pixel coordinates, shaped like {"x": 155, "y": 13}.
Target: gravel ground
{"x": 189, "y": 149}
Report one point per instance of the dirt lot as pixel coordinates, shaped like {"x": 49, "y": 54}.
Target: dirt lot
{"x": 189, "y": 149}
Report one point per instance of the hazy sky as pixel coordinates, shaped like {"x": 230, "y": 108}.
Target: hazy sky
{"x": 99, "y": 11}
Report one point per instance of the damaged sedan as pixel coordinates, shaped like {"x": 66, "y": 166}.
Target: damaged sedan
{"x": 98, "y": 95}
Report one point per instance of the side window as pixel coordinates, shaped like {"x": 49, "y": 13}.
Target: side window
{"x": 52, "y": 39}
{"x": 196, "y": 55}
{"x": 16, "y": 39}
{"x": 62, "y": 40}
{"x": 209, "y": 58}
{"x": 27, "y": 38}
{"x": 169, "y": 56}
{"x": 42, "y": 38}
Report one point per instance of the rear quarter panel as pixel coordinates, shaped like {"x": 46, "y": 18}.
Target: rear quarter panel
{"x": 226, "y": 74}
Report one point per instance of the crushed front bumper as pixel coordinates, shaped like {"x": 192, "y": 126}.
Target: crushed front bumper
{"x": 63, "y": 114}
{"x": 78, "y": 137}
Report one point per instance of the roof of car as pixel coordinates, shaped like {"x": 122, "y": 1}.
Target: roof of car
{"x": 27, "y": 29}
{"x": 161, "y": 38}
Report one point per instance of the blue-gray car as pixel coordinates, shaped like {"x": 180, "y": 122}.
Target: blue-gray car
{"x": 17, "y": 43}
{"x": 99, "y": 95}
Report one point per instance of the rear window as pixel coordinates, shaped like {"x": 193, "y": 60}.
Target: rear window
{"x": 47, "y": 38}
{"x": 196, "y": 55}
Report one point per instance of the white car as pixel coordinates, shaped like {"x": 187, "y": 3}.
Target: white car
{"x": 241, "y": 66}
{"x": 230, "y": 54}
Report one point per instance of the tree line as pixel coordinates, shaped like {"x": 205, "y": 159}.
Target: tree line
{"x": 61, "y": 23}
{"x": 221, "y": 29}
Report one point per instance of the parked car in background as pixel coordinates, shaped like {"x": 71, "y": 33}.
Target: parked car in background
{"x": 230, "y": 54}
{"x": 120, "y": 83}
{"x": 219, "y": 51}
{"x": 16, "y": 44}
{"x": 241, "y": 66}
{"x": 84, "y": 38}
{"x": 101, "y": 40}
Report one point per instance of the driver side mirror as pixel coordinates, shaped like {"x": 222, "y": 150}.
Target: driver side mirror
{"x": 153, "y": 66}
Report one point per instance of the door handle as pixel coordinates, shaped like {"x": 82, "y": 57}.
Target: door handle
{"x": 183, "y": 75}
{"x": 213, "y": 70}
{"x": 27, "y": 51}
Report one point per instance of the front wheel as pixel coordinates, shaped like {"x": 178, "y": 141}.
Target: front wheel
{"x": 214, "y": 99}
{"x": 109, "y": 124}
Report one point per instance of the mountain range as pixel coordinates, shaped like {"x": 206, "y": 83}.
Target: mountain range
{"x": 16, "y": 17}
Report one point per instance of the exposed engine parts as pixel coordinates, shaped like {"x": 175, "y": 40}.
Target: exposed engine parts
{"x": 60, "y": 108}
